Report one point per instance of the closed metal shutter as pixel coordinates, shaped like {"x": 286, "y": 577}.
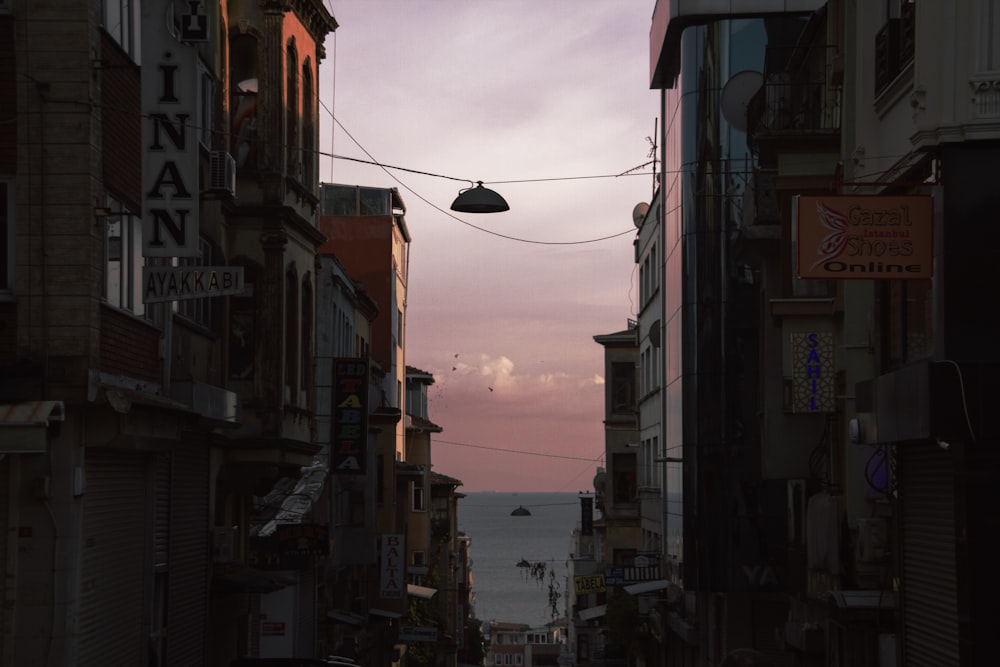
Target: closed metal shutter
{"x": 190, "y": 556}
{"x": 6, "y": 488}
{"x": 305, "y": 622}
{"x": 928, "y": 559}
{"x": 112, "y": 584}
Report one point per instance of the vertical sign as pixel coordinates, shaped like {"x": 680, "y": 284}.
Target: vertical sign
{"x": 812, "y": 372}
{"x": 169, "y": 136}
{"x": 349, "y": 444}
{"x": 586, "y": 515}
{"x": 391, "y": 584}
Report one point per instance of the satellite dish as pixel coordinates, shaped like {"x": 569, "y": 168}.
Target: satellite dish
{"x": 654, "y": 334}
{"x": 639, "y": 213}
{"x": 736, "y": 95}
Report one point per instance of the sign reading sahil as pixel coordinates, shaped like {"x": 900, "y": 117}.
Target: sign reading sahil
{"x": 864, "y": 237}
{"x": 169, "y": 135}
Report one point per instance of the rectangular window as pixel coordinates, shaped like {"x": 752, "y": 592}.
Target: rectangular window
{"x": 380, "y": 479}
{"x": 207, "y": 104}
{"x": 6, "y": 234}
{"x": 419, "y": 504}
{"x": 623, "y": 387}
{"x": 121, "y": 21}
{"x": 623, "y": 470}
{"x": 498, "y": 659}
{"x": 123, "y": 258}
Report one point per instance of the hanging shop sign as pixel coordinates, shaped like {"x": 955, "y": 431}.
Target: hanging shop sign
{"x": 812, "y": 372}
{"x": 290, "y": 547}
{"x": 170, "y": 146}
{"x": 349, "y": 441}
{"x": 591, "y": 583}
{"x": 391, "y": 583}
{"x": 170, "y": 283}
{"x": 864, "y": 237}
{"x": 418, "y": 633}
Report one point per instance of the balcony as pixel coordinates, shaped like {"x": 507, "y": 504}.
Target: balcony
{"x": 796, "y": 95}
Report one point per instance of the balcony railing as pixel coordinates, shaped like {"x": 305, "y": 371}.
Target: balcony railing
{"x": 796, "y": 95}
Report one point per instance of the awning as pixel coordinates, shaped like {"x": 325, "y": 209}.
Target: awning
{"x": 247, "y": 580}
{"x": 385, "y": 614}
{"x": 422, "y": 592}
{"x": 345, "y": 617}
{"x": 591, "y": 613}
{"x": 647, "y": 586}
{"x": 23, "y": 426}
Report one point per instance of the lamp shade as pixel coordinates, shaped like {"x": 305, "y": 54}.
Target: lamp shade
{"x": 479, "y": 200}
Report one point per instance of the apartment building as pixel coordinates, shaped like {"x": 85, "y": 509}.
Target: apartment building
{"x": 824, "y": 174}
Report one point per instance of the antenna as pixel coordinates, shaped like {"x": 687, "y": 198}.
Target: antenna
{"x": 652, "y": 151}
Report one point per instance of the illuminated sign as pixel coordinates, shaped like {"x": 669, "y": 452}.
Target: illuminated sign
{"x": 391, "y": 584}
{"x": 593, "y": 583}
{"x": 169, "y": 137}
{"x": 169, "y": 283}
{"x": 812, "y": 372}
{"x": 864, "y": 237}
{"x": 349, "y": 441}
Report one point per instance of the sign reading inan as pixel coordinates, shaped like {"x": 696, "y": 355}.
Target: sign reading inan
{"x": 864, "y": 237}
{"x": 170, "y": 146}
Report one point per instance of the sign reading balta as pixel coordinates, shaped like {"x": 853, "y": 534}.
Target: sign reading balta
{"x": 391, "y": 583}
{"x": 869, "y": 237}
{"x": 349, "y": 440}
{"x": 169, "y": 137}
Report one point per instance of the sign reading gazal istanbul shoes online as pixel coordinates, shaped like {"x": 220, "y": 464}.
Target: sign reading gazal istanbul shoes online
{"x": 868, "y": 237}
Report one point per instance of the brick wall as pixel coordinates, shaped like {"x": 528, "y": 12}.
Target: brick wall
{"x": 129, "y": 346}
{"x": 121, "y": 126}
{"x": 8, "y": 99}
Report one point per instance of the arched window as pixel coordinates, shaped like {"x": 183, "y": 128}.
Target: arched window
{"x": 291, "y": 336}
{"x": 243, "y": 93}
{"x": 243, "y": 327}
{"x": 306, "y": 347}
{"x": 292, "y": 111}
{"x": 309, "y": 157}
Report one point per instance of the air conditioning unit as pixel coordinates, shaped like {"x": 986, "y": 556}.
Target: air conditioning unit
{"x": 223, "y": 173}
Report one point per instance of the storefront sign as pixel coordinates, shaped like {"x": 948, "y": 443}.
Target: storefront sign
{"x": 272, "y": 628}
{"x": 864, "y": 237}
{"x": 415, "y": 633}
{"x": 593, "y": 583}
{"x": 349, "y": 441}
{"x": 812, "y": 372}
{"x": 170, "y": 146}
{"x": 290, "y": 547}
{"x": 170, "y": 283}
{"x": 391, "y": 584}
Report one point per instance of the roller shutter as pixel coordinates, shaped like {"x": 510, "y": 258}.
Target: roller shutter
{"x": 190, "y": 555}
{"x": 112, "y": 583}
{"x": 5, "y": 491}
{"x": 928, "y": 558}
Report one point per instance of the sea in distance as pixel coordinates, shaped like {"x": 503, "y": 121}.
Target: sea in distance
{"x": 503, "y": 591}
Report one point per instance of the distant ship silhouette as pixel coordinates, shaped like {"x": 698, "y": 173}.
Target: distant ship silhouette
{"x": 521, "y": 511}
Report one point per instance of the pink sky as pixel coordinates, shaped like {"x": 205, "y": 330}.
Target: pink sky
{"x": 503, "y": 90}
